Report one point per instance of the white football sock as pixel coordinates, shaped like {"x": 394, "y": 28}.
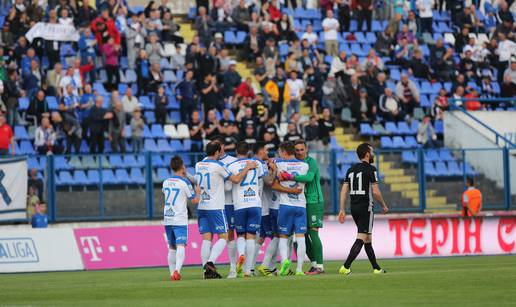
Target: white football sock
{"x": 283, "y": 249}
{"x": 301, "y": 253}
{"x": 232, "y": 256}
{"x": 205, "y": 251}
{"x": 217, "y": 249}
{"x": 171, "y": 260}
{"x": 257, "y": 247}
{"x": 241, "y": 246}
{"x": 180, "y": 258}
{"x": 249, "y": 251}
{"x": 290, "y": 247}
{"x": 272, "y": 267}
{"x": 270, "y": 251}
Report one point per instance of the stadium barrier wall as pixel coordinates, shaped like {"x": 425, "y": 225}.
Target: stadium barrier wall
{"x": 13, "y": 188}
{"x": 37, "y": 250}
{"x": 395, "y": 236}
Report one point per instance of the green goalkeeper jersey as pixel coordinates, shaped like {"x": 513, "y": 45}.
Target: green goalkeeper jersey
{"x": 312, "y": 180}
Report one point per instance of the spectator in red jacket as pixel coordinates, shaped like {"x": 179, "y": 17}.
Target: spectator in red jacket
{"x": 245, "y": 90}
{"x": 472, "y": 105}
{"x": 6, "y": 137}
{"x": 104, "y": 27}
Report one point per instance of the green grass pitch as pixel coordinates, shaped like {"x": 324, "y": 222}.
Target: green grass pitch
{"x": 464, "y": 281}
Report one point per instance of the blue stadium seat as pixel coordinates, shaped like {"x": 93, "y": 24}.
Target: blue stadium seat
{"x": 403, "y": 128}
{"x": 108, "y": 178}
{"x": 453, "y": 169}
{"x": 395, "y": 74}
{"x": 441, "y": 169}
{"x": 386, "y": 142}
{"x": 426, "y": 88}
{"x": 60, "y": 163}
{"x": 187, "y": 145}
{"x": 175, "y": 117}
{"x": 283, "y": 49}
{"x": 122, "y": 176}
{"x": 130, "y": 76}
{"x": 398, "y": 142}
{"x": 229, "y": 37}
{"x": 26, "y": 148}
{"x": 414, "y": 125}
{"x": 366, "y": 129}
{"x": 150, "y": 145}
{"x": 131, "y": 161}
{"x": 163, "y": 146}
{"x": 360, "y": 37}
{"x": 65, "y": 178}
{"x": 116, "y": 161}
{"x": 175, "y": 145}
{"x": 377, "y": 26}
{"x": 446, "y": 155}
{"x": 431, "y": 155}
{"x": 391, "y": 128}
{"x": 430, "y": 169}
{"x": 411, "y": 142}
{"x": 169, "y": 77}
{"x": 157, "y": 161}
{"x": 32, "y": 163}
{"x": 52, "y": 103}
{"x": 240, "y": 37}
{"x": 162, "y": 174}
{"x": 146, "y": 103}
{"x": 157, "y": 132}
{"x": 20, "y": 133}
{"x": 150, "y": 117}
{"x": 93, "y": 177}
{"x": 409, "y": 156}
{"x": 370, "y": 38}
{"x": 469, "y": 170}
{"x": 80, "y": 178}
{"x": 172, "y": 103}
{"x": 439, "y": 127}
{"x": 137, "y": 176}
{"x": 146, "y": 132}
{"x": 23, "y": 103}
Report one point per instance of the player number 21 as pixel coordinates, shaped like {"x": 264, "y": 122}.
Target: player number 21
{"x": 359, "y": 190}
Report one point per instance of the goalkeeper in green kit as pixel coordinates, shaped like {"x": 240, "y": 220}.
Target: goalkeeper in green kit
{"x": 314, "y": 206}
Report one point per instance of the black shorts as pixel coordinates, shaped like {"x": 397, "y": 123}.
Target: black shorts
{"x": 363, "y": 217}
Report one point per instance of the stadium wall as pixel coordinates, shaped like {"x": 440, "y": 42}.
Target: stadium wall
{"x": 462, "y": 132}
{"x": 98, "y": 246}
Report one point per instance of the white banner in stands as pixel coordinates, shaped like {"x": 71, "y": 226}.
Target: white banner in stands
{"x": 36, "y": 250}
{"x": 13, "y": 188}
{"x": 53, "y": 32}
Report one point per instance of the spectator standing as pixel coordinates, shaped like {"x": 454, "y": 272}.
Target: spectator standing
{"x": 45, "y": 137}
{"x": 142, "y": 73}
{"x": 111, "y": 53}
{"x": 156, "y": 77}
{"x": 186, "y": 94}
{"x": 11, "y": 95}
{"x": 53, "y": 80}
{"x": 365, "y": 13}
{"x": 331, "y": 27}
{"x": 160, "y": 106}
{"x": 292, "y": 134}
{"x": 98, "y": 117}
{"x": 154, "y": 49}
{"x": 36, "y": 183}
{"x": 506, "y": 49}
{"x": 343, "y": 7}
{"x": 6, "y": 137}
{"x": 296, "y": 90}
{"x": 209, "y": 94}
{"x": 241, "y": 16}
{"x": 116, "y": 128}
{"x": 129, "y": 103}
{"x": 426, "y": 15}
{"x": 137, "y": 126}
{"x": 277, "y": 90}
{"x": 196, "y": 129}
{"x": 204, "y": 25}
{"x": 231, "y": 79}
{"x": 135, "y": 39}
{"x": 407, "y": 93}
{"x": 38, "y": 106}
{"x": 426, "y": 135}
{"x": 471, "y": 199}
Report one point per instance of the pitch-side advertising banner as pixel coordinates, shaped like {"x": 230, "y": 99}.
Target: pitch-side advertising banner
{"x": 13, "y": 188}
{"x": 141, "y": 246}
{"x": 33, "y": 250}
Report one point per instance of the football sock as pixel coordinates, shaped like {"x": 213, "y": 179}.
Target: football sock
{"x": 316, "y": 244}
{"x": 308, "y": 241}
{"x": 257, "y": 247}
{"x": 301, "y": 253}
{"x": 290, "y": 246}
{"x": 217, "y": 249}
{"x": 241, "y": 246}
{"x": 353, "y": 253}
{"x": 283, "y": 248}
{"x": 171, "y": 260}
{"x": 205, "y": 251}
{"x": 272, "y": 265}
{"x": 232, "y": 256}
{"x": 249, "y": 251}
{"x": 370, "y": 254}
{"x": 180, "y": 258}
{"x": 270, "y": 251}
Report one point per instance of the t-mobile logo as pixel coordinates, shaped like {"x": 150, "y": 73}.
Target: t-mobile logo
{"x": 91, "y": 245}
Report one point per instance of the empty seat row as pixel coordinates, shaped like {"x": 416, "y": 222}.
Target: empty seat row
{"x": 94, "y": 177}
{"x": 391, "y": 128}
{"x": 447, "y": 169}
{"x": 429, "y": 156}
{"x": 398, "y": 142}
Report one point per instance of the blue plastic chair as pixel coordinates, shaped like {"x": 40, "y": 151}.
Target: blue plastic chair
{"x": 80, "y": 178}
{"x": 137, "y": 176}
{"x": 391, "y": 128}
{"x": 122, "y": 176}
{"x": 403, "y": 128}
{"x": 409, "y": 156}
{"x": 157, "y": 161}
{"x": 366, "y": 129}
{"x": 175, "y": 145}
{"x": 398, "y": 142}
{"x": 386, "y": 142}
{"x": 157, "y": 132}
{"x": 163, "y": 146}
{"x": 150, "y": 145}
{"x": 20, "y": 133}
{"x": 411, "y": 142}
{"x": 65, "y": 178}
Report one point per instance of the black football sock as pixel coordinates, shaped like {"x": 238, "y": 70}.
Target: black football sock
{"x": 353, "y": 253}
{"x": 370, "y": 254}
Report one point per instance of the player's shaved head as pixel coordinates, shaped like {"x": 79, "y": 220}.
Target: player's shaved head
{"x": 176, "y": 163}
{"x": 243, "y": 148}
{"x": 212, "y": 148}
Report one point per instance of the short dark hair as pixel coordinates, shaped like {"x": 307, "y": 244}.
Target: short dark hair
{"x": 288, "y": 147}
{"x": 300, "y": 141}
{"x": 470, "y": 181}
{"x": 363, "y": 149}
{"x": 242, "y": 148}
{"x": 218, "y": 138}
{"x": 259, "y": 146}
{"x": 176, "y": 163}
{"x": 212, "y": 148}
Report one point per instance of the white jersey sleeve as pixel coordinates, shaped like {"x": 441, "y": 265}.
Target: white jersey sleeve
{"x": 227, "y": 159}
{"x": 294, "y": 167}
{"x": 177, "y": 190}
{"x": 211, "y": 175}
{"x": 246, "y": 194}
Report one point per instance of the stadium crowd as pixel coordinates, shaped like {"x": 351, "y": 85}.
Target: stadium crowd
{"x": 293, "y": 65}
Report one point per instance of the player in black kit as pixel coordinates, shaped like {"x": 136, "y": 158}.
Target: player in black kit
{"x": 362, "y": 184}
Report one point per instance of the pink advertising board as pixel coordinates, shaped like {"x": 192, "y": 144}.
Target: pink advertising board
{"x": 143, "y": 246}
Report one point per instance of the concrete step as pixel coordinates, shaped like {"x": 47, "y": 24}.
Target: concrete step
{"x": 393, "y": 172}
{"x": 398, "y": 179}
{"x": 401, "y": 187}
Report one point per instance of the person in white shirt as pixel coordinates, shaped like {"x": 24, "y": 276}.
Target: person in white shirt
{"x": 65, "y": 19}
{"x": 331, "y": 27}
{"x": 130, "y": 102}
{"x": 310, "y": 36}
{"x": 296, "y": 89}
{"x": 45, "y": 137}
{"x": 178, "y": 190}
{"x": 506, "y": 49}
{"x": 425, "y": 14}
{"x": 211, "y": 175}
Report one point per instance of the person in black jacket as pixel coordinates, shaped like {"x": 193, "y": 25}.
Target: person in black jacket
{"x": 38, "y": 106}
{"x": 10, "y": 96}
{"x": 98, "y": 121}
{"x": 418, "y": 67}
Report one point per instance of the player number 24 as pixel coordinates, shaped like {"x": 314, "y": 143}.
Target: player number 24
{"x": 359, "y": 190}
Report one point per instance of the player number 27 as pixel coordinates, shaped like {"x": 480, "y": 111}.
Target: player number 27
{"x": 352, "y": 190}
{"x": 169, "y": 191}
